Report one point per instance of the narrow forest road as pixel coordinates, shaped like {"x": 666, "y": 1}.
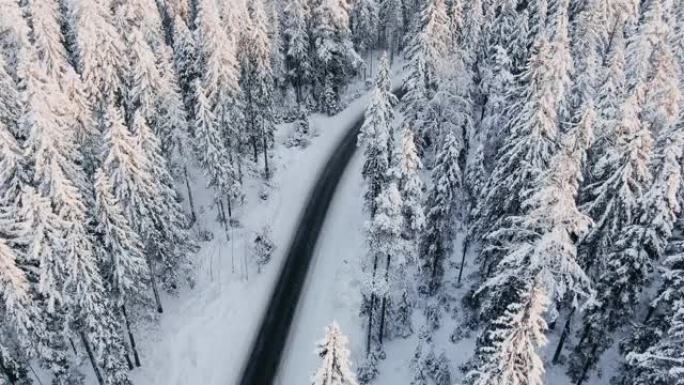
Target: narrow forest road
{"x": 262, "y": 364}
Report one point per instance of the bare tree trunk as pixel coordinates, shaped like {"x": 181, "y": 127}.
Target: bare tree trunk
{"x": 563, "y": 337}
{"x": 649, "y": 314}
{"x": 155, "y": 289}
{"x": 463, "y": 256}
{"x": 255, "y": 148}
{"x": 128, "y": 361}
{"x": 384, "y": 302}
{"x": 265, "y": 140}
{"x": 127, "y": 322}
{"x": 91, "y": 356}
{"x": 193, "y": 214}
{"x": 73, "y": 346}
{"x": 371, "y": 307}
{"x": 587, "y": 365}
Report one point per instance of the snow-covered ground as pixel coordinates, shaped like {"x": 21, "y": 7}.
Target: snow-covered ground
{"x": 205, "y": 333}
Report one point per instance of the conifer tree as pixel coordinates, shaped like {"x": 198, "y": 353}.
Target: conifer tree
{"x": 257, "y": 84}
{"x": 391, "y": 22}
{"x": 532, "y": 137}
{"x": 442, "y": 202}
{"x": 411, "y": 186}
{"x": 210, "y": 150}
{"x": 364, "y": 26}
{"x": 171, "y": 243}
{"x": 297, "y": 45}
{"x": 615, "y": 208}
{"x": 377, "y": 137}
{"x": 336, "y": 366}
{"x": 386, "y": 249}
{"x": 335, "y": 57}
{"x": 99, "y": 51}
{"x": 511, "y": 355}
{"x": 426, "y": 54}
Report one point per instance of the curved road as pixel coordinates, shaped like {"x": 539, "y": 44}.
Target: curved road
{"x": 262, "y": 364}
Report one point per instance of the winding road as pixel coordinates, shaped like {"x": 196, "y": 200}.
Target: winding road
{"x": 267, "y": 350}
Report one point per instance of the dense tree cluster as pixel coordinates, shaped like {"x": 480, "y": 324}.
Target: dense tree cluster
{"x": 552, "y": 134}
{"x": 104, "y": 106}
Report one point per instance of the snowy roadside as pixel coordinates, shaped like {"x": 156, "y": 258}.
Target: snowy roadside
{"x": 205, "y": 332}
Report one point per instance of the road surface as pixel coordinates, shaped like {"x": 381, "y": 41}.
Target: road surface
{"x": 262, "y": 364}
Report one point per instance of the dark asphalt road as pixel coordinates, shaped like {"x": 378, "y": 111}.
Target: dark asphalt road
{"x": 262, "y": 365}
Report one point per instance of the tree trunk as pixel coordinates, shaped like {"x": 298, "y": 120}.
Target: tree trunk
{"x": 435, "y": 262}
{"x": 221, "y": 212}
{"x": 128, "y": 361}
{"x": 563, "y": 337}
{"x": 649, "y": 314}
{"x": 384, "y": 302}
{"x": 372, "y": 306}
{"x": 91, "y": 356}
{"x": 463, "y": 256}
{"x": 587, "y": 365}
{"x": 255, "y": 149}
{"x": 193, "y": 214}
{"x": 73, "y": 346}
{"x": 230, "y": 208}
{"x": 127, "y": 322}
{"x": 155, "y": 289}
{"x": 265, "y": 140}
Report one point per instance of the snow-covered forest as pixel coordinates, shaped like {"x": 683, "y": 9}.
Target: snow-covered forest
{"x": 521, "y": 164}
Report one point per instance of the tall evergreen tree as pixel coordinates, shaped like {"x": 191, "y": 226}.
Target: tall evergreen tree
{"x": 377, "y": 136}
{"x": 257, "y": 84}
{"x": 336, "y": 366}
{"x": 297, "y": 45}
{"x": 335, "y": 56}
{"x": 443, "y": 199}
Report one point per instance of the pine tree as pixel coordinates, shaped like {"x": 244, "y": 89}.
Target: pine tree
{"x": 171, "y": 243}
{"x": 98, "y": 49}
{"x": 541, "y": 242}
{"x": 335, "y": 57}
{"x": 391, "y": 22}
{"x": 510, "y": 356}
{"x": 526, "y": 153}
{"x": 624, "y": 179}
{"x": 411, "y": 186}
{"x": 257, "y": 84}
{"x": 185, "y": 60}
{"x": 297, "y": 45}
{"x": 442, "y": 203}
{"x": 426, "y": 54}
{"x": 336, "y": 366}
{"x": 377, "y": 137}
{"x": 663, "y": 363}
{"x": 77, "y": 283}
{"x": 210, "y": 151}
{"x": 364, "y": 25}
{"x": 387, "y": 249}
{"x": 220, "y": 76}
{"x": 119, "y": 247}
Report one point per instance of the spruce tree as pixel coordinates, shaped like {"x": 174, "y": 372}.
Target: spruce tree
{"x": 364, "y": 26}
{"x": 336, "y": 366}
{"x": 335, "y": 58}
{"x": 443, "y": 199}
{"x": 525, "y": 154}
{"x": 257, "y": 84}
{"x": 297, "y": 46}
{"x": 377, "y": 137}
